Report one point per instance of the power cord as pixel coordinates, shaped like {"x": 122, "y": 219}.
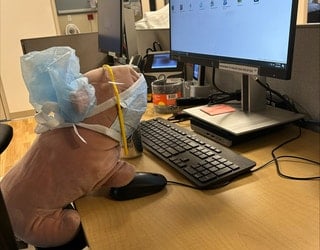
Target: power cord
{"x": 287, "y": 104}
{"x": 275, "y": 159}
{"x": 224, "y": 97}
{"x": 213, "y": 80}
{"x": 156, "y": 46}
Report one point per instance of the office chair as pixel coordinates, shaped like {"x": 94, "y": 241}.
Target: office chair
{"x": 6, "y": 133}
{"x": 7, "y": 238}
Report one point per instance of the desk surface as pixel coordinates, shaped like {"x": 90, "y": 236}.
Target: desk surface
{"x": 259, "y": 211}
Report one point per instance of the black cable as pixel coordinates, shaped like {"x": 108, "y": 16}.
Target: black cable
{"x": 182, "y": 184}
{"x": 289, "y": 105}
{"x": 276, "y": 158}
{"x": 285, "y": 156}
{"x": 278, "y": 166}
{"x": 214, "y": 82}
{"x": 270, "y": 94}
{"x": 179, "y": 117}
{"x": 222, "y": 97}
{"x": 148, "y": 50}
{"x": 197, "y": 188}
{"x": 262, "y": 166}
{"x": 155, "y": 45}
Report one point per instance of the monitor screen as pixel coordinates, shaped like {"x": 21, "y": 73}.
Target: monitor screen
{"x": 163, "y": 61}
{"x": 160, "y": 61}
{"x": 198, "y": 73}
{"x": 255, "y": 37}
{"x": 110, "y": 27}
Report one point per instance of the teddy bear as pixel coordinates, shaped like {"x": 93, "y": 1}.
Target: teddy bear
{"x": 72, "y": 158}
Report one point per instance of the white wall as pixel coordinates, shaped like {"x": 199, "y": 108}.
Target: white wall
{"x": 80, "y": 20}
{"x": 20, "y": 19}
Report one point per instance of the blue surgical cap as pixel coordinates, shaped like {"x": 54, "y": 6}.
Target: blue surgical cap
{"x": 53, "y": 76}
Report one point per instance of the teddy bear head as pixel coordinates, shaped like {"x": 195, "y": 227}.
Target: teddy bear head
{"x": 62, "y": 96}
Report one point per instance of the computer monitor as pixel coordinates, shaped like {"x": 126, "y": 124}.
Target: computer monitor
{"x": 116, "y": 30}
{"x": 232, "y": 34}
{"x": 252, "y": 37}
{"x": 198, "y": 74}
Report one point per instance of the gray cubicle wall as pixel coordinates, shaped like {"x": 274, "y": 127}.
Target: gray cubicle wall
{"x": 85, "y": 45}
{"x": 304, "y": 85}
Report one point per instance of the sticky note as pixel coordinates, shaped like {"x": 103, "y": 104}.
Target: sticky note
{"x": 217, "y": 109}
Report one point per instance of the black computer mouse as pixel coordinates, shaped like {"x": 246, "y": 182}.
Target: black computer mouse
{"x": 143, "y": 184}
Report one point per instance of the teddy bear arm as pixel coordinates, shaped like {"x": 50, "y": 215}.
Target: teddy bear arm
{"x": 54, "y": 229}
{"x": 124, "y": 174}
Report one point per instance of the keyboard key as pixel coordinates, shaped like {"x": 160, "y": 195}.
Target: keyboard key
{"x": 223, "y": 171}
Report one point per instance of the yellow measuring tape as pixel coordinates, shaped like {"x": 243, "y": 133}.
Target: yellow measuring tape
{"x": 120, "y": 114}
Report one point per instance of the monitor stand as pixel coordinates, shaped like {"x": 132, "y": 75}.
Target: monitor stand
{"x": 250, "y": 118}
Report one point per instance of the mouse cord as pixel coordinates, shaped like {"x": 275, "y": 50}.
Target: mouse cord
{"x": 197, "y": 188}
{"x": 182, "y": 184}
{"x": 276, "y": 158}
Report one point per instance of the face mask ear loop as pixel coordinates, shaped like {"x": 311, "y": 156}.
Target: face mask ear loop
{"x": 120, "y": 114}
{"x": 77, "y": 133}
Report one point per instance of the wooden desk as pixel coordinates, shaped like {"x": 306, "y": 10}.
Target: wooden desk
{"x": 260, "y": 211}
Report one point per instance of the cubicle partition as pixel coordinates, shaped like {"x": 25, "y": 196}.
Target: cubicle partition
{"x": 85, "y": 45}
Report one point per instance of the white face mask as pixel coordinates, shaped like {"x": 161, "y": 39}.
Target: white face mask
{"x": 133, "y": 102}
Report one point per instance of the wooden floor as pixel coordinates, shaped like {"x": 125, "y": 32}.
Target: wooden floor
{"x": 23, "y": 136}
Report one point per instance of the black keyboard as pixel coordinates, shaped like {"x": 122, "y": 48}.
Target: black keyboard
{"x": 203, "y": 162}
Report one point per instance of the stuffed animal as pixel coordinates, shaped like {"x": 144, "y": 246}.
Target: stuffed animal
{"x": 69, "y": 160}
